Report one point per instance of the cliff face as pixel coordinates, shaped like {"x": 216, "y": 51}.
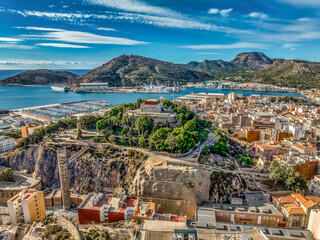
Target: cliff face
{"x": 175, "y": 189}
{"x": 38, "y": 160}
{"x": 96, "y": 170}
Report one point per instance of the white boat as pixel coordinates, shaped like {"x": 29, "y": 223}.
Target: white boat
{"x": 59, "y": 88}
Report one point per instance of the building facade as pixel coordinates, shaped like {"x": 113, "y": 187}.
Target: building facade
{"x": 6, "y": 143}
{"x": 28, "y": 206}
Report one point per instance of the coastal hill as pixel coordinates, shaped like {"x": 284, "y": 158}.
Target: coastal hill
{"x": 40, "y": 77}
{"x": 133, "y": 70}
{"x": 289, "y": 73}
{"x": 241, "y": 63}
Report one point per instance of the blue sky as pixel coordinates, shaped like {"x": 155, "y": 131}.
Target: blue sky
{"x": 84, "y": 34}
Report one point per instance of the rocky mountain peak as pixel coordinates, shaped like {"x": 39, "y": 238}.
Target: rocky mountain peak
{"x": 255, "y": 60}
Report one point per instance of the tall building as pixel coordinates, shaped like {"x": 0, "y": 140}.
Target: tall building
{"x": 27, "y": 206}
{"x": 6, "y": 143}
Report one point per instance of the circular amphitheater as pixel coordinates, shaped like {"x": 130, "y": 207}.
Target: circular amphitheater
{"x": 21, "y": 182}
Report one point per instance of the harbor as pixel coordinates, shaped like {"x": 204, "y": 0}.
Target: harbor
{"x": 54, "y": 112}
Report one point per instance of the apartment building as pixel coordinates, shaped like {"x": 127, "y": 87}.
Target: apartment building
{"x": 315, "y": 185}
{"x": 314, "y": 223}
{"x": 27, "y": 207}
{"x": 6, "y": 143}
{"x": 296, "y": 208}
{"x": 100, "y": 208}
{"x": 255, "y": 210}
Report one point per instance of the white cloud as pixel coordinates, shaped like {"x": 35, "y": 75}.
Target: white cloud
{"x": 258, "y": 15}
{"x": 227, "y": 46}
{"x": 302, "y": 3}
{"x": 6, "y": 39}
{"x": 15, "y": 46}
{"x": 61, "y": 45}
{"x": 225, "y": 12}
{"x": 222, "y": 12}
{"x": 291, "y": 46}
{"x": 78, "y": 37}
{"x": 213, "y": 11}
{"x": 133, "y": 6}
{"x": 107, "y": 29}
{"x": 160, "y": 21}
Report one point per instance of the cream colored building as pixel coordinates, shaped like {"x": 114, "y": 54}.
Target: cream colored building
{"x": 314, "y": 223}
{"x": 27, "y": 206}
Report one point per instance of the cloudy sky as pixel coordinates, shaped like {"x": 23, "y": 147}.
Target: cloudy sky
{"x": 83, "y": 34}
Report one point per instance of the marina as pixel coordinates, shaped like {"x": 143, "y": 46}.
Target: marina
{"x": 54, "y": 112}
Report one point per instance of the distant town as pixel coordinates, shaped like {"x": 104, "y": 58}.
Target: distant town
{"x": 201, "y": 166}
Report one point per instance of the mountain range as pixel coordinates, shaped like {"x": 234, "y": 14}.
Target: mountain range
{"x": 133, "y": 70}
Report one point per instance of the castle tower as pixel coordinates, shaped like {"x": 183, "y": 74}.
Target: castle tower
{"x": 64, "y": 177}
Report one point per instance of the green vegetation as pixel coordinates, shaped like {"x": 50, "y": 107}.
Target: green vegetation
{"x": 88, "y": 122}
{"x": 98, "y": 235}
{"x": 287, "y": 177}
{"x": 290, "y": 73}
{"x": 6, "y": 175}
{"x": 245, "y": 160}
{"x": 13, "y": 134}
{"x": 39, "y": 134}
{"x": 221, "y": 147}
{"x": 188, "y": 184}
{"x": 116, "y": 127}
{"x": 56, "y": 232}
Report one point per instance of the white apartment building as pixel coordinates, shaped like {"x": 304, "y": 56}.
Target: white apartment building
{"x": 6, "y": 143}
{"x": 315, "y": 186}
{"x": 297, "y": 131}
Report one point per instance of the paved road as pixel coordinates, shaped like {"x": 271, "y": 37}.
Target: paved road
{"x": 210, "y": 140}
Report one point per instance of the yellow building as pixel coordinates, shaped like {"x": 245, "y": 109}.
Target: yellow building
{"x": 28, "y": 206}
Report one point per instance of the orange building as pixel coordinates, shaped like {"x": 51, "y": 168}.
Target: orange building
{"x": 296, "y": 208}
{"x": 28, "y": 129}
{"x": 252, "y": 135}
{"x": 28, "y": 206}
{"x": 145, "y": 211}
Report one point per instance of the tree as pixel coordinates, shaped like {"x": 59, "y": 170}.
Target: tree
{"x": 287, "y": 176}
{"x": 172, "y": 143}
{"x": 88, "y": 122}
{"x": 245, "y": 161}
{"x": 6, "y": 175}
{"x": 144, "y": 124}
{"x": 142, "y": 142}
{"x": 157, "y": 139}
{"x": 102, "y": 124}
{"x": 190, "y": 125}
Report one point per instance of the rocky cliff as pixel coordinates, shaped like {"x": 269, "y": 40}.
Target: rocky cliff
{"x": 181, "y": 186}
{"x": 96, "y": 170}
